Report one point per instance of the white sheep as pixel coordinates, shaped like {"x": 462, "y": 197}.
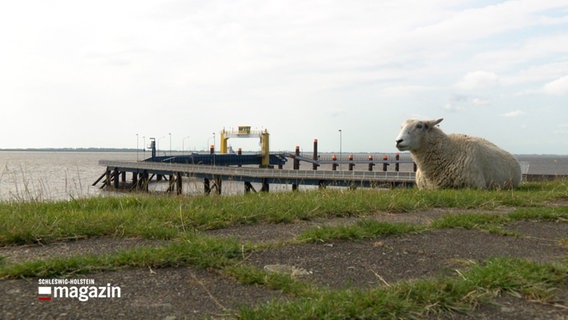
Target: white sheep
{"x": 456, "y": 160}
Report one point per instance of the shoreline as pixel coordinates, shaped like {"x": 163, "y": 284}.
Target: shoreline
{"x": 304, "y": 151}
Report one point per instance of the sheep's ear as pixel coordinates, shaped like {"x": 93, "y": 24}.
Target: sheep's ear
{"x": 432, "y": 123}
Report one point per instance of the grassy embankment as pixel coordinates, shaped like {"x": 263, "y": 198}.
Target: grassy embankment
{"x": 180, "y": 220}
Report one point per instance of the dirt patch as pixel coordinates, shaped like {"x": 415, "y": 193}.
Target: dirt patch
{"x": 550, "y": 231}
{"x": 170, "y": 293}
{"x": 180, "y": 293}
{"x": 385, "y": 260}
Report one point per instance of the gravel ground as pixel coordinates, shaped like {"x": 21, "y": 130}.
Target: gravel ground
{"x": 186, "y": 293}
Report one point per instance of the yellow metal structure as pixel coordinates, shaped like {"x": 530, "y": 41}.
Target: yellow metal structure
{"x": 246, "y": 132}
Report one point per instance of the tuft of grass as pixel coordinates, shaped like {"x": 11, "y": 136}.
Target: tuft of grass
{"x": 519, "y": 277}
{"x": 555, "y": 214}
{"x": 250, "y": 275}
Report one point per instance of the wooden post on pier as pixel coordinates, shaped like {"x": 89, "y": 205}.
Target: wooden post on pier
{"x": 115, "y": 174}
{"x": 296, "y": 160}
{"x": 315, "y": 156}
{"x": 265, "y": 186}
{"x": 296, "y": 167}
{"x": 144, "y": 180}
{"x": 334, "y": 164}
{"x": 239, "y": 153}
{"x": 397, "y": 165}
{"x": 134, "y": 180}
{"x": 178, "y": 183}
{"x": 108, "y": 178}
{"x": 206, "y": 186}
{"x": 217, "y": 184}
{"x": 171, "y": 184}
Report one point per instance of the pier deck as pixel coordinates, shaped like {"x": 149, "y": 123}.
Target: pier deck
{"x": 143, "y": 170}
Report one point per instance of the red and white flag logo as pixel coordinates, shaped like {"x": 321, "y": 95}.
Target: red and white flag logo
{"x": 44, "y": 293}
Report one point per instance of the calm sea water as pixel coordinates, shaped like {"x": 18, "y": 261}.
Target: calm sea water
{"x": 38, "y": 175}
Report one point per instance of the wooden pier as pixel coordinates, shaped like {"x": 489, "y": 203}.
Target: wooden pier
{"x": 143, "y": 172}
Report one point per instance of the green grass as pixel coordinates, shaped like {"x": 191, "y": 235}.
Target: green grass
{"x": 162, "y": 217}
{"x": 179, "y": 218}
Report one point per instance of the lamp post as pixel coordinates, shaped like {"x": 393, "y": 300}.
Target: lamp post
{"x": 340, "y": 147}
{"x": 137, "y": 146}
{"x": 170, "y": 143}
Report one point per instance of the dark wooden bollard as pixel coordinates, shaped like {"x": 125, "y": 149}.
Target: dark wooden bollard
{"x": 296, "y": 166}
{"x": 239, "y": 153}
{"x": 397, "y": 165}
{"x": 334, "y": 164}
{"x": 296, "y": 161}
{"x": 315, "y": 156}
{"x": 371, "y": 164}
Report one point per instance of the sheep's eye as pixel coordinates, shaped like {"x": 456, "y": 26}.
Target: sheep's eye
{"x": 419, "y": 126}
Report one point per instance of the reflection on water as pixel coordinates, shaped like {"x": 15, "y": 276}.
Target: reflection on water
{"x": 35, "y": 175}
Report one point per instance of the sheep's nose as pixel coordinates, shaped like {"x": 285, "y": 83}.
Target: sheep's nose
{"x": 398, "y": 141}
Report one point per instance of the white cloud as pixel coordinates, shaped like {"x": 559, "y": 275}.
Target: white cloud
{"x": 452, "y": 107}
{"x": 403, "y": 90}
{"x": 557, "y": 87}
{"x": 480, "y": 101}
{"x": 513, "y": 114}
{"x": 561, "y": 129}
{"x": 478, "y": 80}
{"x": 485, "y": 21}
{"x": 524, "y": 51}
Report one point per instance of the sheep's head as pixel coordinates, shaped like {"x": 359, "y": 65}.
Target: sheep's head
{"x": 412, "y": 133}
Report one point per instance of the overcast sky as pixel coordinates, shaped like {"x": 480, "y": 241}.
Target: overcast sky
{"x": 97, "y": 73}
